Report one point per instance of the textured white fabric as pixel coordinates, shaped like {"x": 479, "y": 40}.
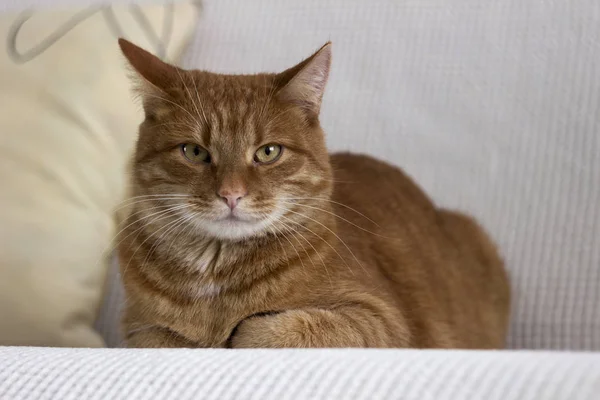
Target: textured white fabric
{"x": 30, "y": 373}
{"x": 491, "y": 105}
{"x": 18, "y": 5}
{"x": 109, "y": 316}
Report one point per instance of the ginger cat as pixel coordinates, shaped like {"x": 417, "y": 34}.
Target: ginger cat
{"x": 245, "y": 232}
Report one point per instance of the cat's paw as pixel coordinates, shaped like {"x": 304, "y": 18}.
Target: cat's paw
{"x": 291, "y": 329}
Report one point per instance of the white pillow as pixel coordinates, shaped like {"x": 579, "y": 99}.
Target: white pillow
{"x": 67, "y": 127}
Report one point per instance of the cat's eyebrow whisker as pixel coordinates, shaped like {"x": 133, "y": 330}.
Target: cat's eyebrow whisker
{"x": 337, "y": 216}
{"x": 181, "y": 124}
{"x": 201, "y": 108}
{"x": 267, "y": 100}
{"x": 190, "y": 95}
{"x": 318, "y": 236}
{"x": 334, "y": 234}
{"x": 175, "y": 104}
{"x": 278, "y": 116}
{"x": 330, "y": 201}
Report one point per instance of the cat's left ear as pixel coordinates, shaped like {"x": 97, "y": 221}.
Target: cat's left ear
{"x": 304, "y": 84}
{"x": 150, "y": 68}
{"x": 152, "y": 78}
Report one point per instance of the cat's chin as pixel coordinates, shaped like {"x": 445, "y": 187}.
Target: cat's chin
{"x": 235, "y": 228}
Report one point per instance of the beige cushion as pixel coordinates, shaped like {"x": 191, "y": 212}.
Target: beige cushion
{"x": 67, "y": 126}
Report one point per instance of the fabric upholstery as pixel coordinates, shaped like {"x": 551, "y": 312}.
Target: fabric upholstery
{"x": 67, "y": 127}
{"x": 34, "y": 373}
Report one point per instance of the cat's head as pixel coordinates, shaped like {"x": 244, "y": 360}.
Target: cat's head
{"x": 229, "y": 154}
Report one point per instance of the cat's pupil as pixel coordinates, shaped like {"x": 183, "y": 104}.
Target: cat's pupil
{"x": 268, "y": 150}
{"x": 196, "y": 150}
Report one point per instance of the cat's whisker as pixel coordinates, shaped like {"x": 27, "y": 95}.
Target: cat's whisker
{"x": 190, "y": 217}
{"x": 112, "y": 245}
{"x": 295, "y": 231}
{"x": 335, "y": 180}
{"x": 158, "y": 241}
{"x": 172, "y": 102}
{"x": 188, "y": 127}
{"x": 162, "y": 228}
{"x": 147, "y": 200}
{"x": 151, "y": 196}
{"x": 143, "y": 196}
{"x": 320, "y": 237}
{"x": 201, "y": 108}
{"x": 273, "y": 229}
{"x": 163, "y": 207}
{"x": 334, "y": 234}
{"x": 293, "y": 247}
{"x": 161, "y": 215}
{"x": 190, "y": 95}
{"x": 337, "y": 216}
{"x": 267, "y": 100}
{"x": 330, "y": 201}
{"x": 278, "y": 116}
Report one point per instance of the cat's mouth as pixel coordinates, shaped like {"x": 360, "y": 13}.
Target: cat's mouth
{"x": 231, "y": 217}
{"x": 237, "y": 217}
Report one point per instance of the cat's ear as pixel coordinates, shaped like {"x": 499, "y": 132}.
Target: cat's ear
{"x": 304, "y": 84}
{"x": 149, "y": 67}
{"x": 152, "y": 77}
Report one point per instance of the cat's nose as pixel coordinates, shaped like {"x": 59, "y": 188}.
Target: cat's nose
{"x": 232, "y": 197}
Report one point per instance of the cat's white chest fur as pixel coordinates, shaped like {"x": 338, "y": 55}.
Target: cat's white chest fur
{"x": 207, "y": 290}
{"x": 201, "y": 263}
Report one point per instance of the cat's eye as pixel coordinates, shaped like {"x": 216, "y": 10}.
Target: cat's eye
{"x": 195, "y": 153}
{"x": 268, "y": 153}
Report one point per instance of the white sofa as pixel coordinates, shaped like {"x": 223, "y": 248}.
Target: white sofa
{"x": 493, "y": 107}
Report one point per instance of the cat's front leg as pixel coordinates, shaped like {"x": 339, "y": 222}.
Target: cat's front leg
{"x": 313, "y": 327}
{"x": 156, "y": 337}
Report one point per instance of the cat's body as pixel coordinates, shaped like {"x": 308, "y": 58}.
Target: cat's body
{"x": 346, "y": 252}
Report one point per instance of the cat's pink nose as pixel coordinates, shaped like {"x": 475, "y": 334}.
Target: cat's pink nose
{"x": 232, "y": 197}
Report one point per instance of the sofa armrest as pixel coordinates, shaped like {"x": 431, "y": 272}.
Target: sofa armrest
{"x": 53, "y": 373}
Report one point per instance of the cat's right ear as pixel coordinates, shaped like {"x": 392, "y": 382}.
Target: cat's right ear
{"x": 152, "y": 78}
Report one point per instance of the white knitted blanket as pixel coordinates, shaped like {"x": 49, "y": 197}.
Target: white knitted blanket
{"x": 34, "y": 373}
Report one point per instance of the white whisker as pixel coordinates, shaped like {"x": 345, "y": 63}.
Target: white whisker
{"x": 148, "y": 238}
{"x": 334, "y": 234}
{"x": 337, "y": 216}
{"x": 313, "y": 247}
{"x": 172, "y": 102}
{"x": 325, "y": 241}
{"x": 330, "y": 201}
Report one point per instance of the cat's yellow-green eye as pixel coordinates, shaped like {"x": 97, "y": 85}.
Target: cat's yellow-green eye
{"x": 195, "y": 153}
{"x": 268, "y": 153}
